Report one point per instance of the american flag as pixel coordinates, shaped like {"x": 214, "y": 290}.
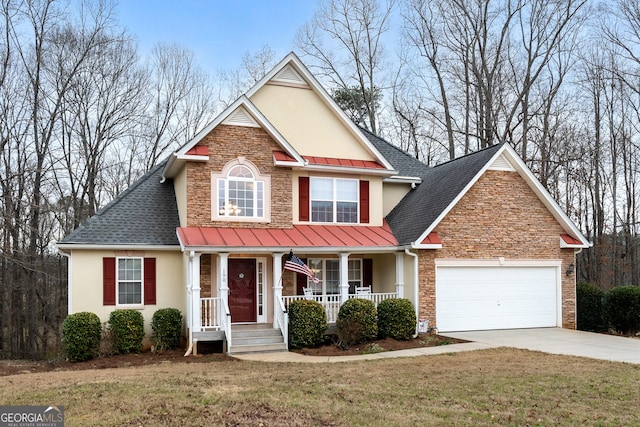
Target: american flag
{"x": 294, "y": 263}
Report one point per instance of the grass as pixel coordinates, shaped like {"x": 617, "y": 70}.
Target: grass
{"x": 490, "y": 387}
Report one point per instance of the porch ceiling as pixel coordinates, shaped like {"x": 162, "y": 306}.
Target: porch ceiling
{"x": 319, "y": 237}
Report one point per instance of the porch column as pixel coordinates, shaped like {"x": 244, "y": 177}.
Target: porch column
{"x": 223, "y": 279}
{"x": 344, "y": 277}
{"x": 400, "y": 274}
{"x": 277, "y": 287}
{"x": 194, "y": 285}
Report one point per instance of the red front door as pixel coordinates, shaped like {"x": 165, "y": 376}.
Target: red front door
{"x": 242, "y": 290}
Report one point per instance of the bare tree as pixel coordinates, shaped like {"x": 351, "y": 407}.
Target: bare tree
{"x": 345, "y": 44}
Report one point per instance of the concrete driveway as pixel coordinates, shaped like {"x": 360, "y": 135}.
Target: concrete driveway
{"x": 559, "y": 341}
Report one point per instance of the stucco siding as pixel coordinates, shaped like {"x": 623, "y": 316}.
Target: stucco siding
{"x": 86, "y": 282}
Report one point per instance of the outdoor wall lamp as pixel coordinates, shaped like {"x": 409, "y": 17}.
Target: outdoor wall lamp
{"x": 570, "y": 269}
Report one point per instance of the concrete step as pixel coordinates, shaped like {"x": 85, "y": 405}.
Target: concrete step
{"x": 257, "y": 340}
{"x": 264, "y": 348}
{"x": 246, "y": 333}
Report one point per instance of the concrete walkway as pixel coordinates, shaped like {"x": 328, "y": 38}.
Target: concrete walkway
{"x": 560, "y": 341}
{"x": 289, "y": 356}
{"x": 548, "y": 340}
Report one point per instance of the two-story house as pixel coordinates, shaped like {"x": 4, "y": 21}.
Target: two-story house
{"x": 474, "y": 243}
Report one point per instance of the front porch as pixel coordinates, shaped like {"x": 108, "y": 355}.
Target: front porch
{"x": 215, "y": 325}
{"x": 226, "y": 290}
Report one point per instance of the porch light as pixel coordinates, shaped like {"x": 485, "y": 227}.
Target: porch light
{"x": 570, "y": 269}
{"x": 229, "y": 209}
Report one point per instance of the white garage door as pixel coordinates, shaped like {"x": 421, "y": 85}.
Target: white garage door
{"x": 483, "y": 298}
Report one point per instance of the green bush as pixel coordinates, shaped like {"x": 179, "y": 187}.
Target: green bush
{"x": 357, "y": 322}
{"x": 622, "y": 308}
{"x": 307, "y": 324}
{"x": 127, "y": 327}
{"x": 81, "y": 334}
{"x": 396, "y": 319}
{"x": 166, "y": 325}
{"x": 589, "y": 308}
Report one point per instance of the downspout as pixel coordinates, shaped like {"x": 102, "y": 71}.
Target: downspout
{"x": 416, "y": 285}
{"x": 69, "y": 293}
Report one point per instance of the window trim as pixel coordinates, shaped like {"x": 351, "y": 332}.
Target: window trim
{"x": 142, "y": 277}
{"x": 335, "y": 199}
{"x": 322, "y": 274}
{"x": 223, "y": 176}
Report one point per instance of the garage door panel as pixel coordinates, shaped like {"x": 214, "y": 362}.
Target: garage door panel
{"x": 481, "y": 298}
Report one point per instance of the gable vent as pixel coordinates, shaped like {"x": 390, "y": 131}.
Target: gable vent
{"x": 290, "y": 76}
{"x": 240, "y": 117}
{"x": 502, "y": 164}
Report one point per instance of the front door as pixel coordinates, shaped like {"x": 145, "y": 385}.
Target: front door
{"x": 242, "y": 290}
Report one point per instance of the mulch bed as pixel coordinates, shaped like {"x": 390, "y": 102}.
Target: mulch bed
{"x": 14, "y": 367}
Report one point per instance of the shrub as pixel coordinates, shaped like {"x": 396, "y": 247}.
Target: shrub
{"x": 589, "y": 308}
{"x": 622, "y": 308}
{"x": 396, "y": 319}
{"x": 307, "y": 324}
{"x": 166, "y": 325}
{"x": 357, "y": 322}
{"x": 127, "y": 327}
{"x": 81, "y": 334}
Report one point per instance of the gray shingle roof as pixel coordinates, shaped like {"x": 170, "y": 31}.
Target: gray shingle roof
{"x": 144, "y": 214}
{"x": 440, "y": 185}
{"x": 401, "y": 161}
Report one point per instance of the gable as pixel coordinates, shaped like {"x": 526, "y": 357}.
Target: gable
{"x": 499, "y": 216}
{"x": 310, "y": 126}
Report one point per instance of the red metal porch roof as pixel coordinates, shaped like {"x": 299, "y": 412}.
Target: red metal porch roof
{"x": 298, "y": 236}
{"x": 330, "y": 161}
{"x": 570, "y": 240}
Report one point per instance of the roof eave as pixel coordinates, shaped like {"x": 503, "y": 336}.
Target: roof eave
{"x": 302, "y": 249}
{"x": 350, "y": 170}
{"x": 118, "y": 247}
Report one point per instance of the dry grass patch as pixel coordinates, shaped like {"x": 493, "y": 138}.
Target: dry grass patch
{"x": 491, "y": 387}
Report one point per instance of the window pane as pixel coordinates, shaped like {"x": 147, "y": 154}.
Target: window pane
{"x": 221, "y": 196}
{"x": 321, "y": 189}
{"x": 347, "y": 190}
{"x": 332, "y": 270}
{"x": 130, "y": 293}
{"x": 241, "y": 172}
{"x": 260, "y": 199}
{"x": 347, "y": 212}
{"x": 316, "y": 267}
{"x": 321, "y": 211}
{"x": 241, "y": 198}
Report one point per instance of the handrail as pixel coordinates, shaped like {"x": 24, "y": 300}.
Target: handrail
{"x": 283, "y": 322}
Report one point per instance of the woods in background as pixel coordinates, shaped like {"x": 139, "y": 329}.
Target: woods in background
{"x": 82, "y": 115}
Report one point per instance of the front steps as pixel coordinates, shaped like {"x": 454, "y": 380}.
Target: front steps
{"x": 256, "y": 338}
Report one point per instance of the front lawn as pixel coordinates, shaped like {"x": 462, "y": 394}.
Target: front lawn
{"x": 490, "y": 387}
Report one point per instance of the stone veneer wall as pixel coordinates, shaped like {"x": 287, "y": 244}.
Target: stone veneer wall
{"x": 500, "y": 216}
{"x": 227, "y": 143}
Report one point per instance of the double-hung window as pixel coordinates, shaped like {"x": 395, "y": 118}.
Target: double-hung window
{"x": 129, "y": 281}
{"x": 334, "y": 200}
{"x": 328, "y": 272}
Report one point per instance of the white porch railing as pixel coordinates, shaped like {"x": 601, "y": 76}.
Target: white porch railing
{"x": 215, "y": 315}
{"x": 282, "y": 318}
{"x": 210, "y": 313}
{"x": 332, "y": 303}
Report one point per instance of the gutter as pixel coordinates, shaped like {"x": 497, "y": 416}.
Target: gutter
{"x": 416, "y": 294}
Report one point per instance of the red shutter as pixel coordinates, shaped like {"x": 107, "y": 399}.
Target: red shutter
{"x": 303, "y": 198}
{"x": 367, "y": 272}
{"x": 364, "y": 202}
{"x": 108, "y": 281}
{"x": 149, "y": 281}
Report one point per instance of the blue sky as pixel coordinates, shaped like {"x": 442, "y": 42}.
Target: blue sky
{"x": 218, "y": 32}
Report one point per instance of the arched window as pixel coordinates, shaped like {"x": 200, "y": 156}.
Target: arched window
{"x": 241, "y": 192}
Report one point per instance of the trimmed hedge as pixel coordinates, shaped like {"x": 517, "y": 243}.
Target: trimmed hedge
{"x": 307, "y": 324}
{"x": 396, "y": 319}
{"x": 81, "y": 335}
{"x": 357, "y": 322}
{"x": 127, "y": 327}
{"x": 590, "y": 315}
{"x": 622, "y": 307}
{"x": 166, "y": 325}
